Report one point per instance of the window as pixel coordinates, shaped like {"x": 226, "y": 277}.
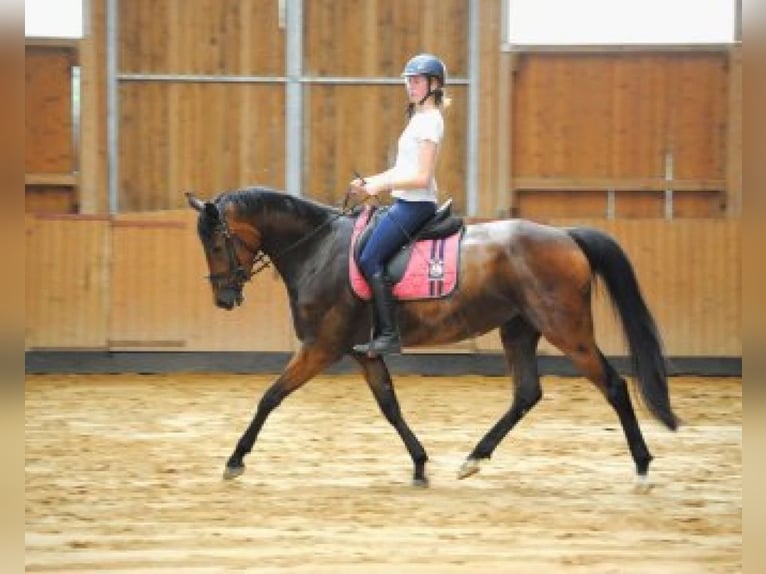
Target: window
{"x": 618, "y": 22}
{"x": 53, "y": 18}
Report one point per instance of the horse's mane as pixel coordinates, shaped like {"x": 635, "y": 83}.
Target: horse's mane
{"x": 253, "y": 200}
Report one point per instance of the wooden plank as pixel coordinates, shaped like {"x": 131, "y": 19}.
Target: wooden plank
{"x": 67, "y": 285}
{"x": 493, "y": 89}
{"x": 50, "y": 199}
{"x": 706, "y": 204}
{"x": 576, "y": 184}
{"x": 51, "y": 179}
{"x": 67, "y": 44}
{"x": 631, "y": 203}
{"x": 93, "y": 191}
{"x": 734, "y": 134}
{"x": 543, "y": 205}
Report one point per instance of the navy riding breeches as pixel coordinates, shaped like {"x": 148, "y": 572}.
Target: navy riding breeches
{"x": 395, "y": 228}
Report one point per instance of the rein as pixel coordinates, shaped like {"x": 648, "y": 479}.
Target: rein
{"x": 261, "y": 259}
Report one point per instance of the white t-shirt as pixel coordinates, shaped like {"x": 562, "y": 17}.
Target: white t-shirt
{"x": 425, "y": 125}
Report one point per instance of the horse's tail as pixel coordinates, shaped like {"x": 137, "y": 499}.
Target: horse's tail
{"x": 609, "y": 262}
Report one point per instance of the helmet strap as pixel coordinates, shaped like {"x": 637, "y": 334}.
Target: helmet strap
{"x": 438, "y": 91}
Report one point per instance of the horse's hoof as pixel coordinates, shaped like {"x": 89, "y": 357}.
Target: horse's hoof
{"x": 231, "y": 472}
{"x": 420, "y": 482}
{"x": 643, "y": 485}
{"x": 468, "y": 468}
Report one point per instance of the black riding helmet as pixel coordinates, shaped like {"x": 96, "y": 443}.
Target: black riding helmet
{"x": 430, "y": 66}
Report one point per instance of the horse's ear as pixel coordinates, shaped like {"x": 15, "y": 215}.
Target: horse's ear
{"x": 211, "y": 210}
{"x": 193, "y": 201}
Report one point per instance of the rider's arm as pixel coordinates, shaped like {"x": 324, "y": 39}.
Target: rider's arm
{"x": 427, "y": 151}
{"x": 389, "y": 179}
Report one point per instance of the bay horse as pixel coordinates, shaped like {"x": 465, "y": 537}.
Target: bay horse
{"x": 526, "y": 279}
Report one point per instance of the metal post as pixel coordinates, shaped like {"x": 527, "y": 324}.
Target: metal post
{"x": 294, "y": 98}
{"x": 112, "y": 106}
{"x": 472, "y": 147}
{"x": 505, "y": 200}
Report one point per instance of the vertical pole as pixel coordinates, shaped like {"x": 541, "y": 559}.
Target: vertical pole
{"x": 112, "y": 106}
{"x": 505, "y": 200}
{"x": 610, "y": 203}
{"x": 669, "y": 185}
{"x": 294, "y": 97}
{"x": 472, "y": 147}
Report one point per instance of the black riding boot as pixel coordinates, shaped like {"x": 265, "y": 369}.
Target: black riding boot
{"x": 387, "y": 340}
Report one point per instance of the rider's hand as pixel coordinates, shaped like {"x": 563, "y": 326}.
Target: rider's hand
{"x": 372, "y": 186}
{"x": 358, "y": 187}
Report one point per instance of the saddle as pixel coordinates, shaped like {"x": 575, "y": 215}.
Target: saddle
{"x": 432, "y": 274}
{"x": 441, "y": 224}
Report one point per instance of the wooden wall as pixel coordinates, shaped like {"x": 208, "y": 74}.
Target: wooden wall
{"x": 176, "y": 136}
{"x": 550, "y": 123}
{"x": 356, "y": 127}
{"x": 67, "y": 281}
{"x": 136, "y": 282}
{"x": 585, "y": 123}
{"x": 557, "y": 130}
{"x": 204, "y": 137}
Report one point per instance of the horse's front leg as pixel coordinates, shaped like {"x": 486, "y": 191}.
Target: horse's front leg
{"x": 304, "y": 365}
{"x": 379, "y": 380}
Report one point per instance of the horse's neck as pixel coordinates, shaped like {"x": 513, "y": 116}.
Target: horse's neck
{"x": 281, "y": 227}
{"x": 290, "y": 240}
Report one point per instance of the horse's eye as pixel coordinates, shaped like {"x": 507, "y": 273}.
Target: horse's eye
{"x": 217, "y": 249}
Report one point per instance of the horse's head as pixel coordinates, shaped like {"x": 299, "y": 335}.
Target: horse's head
{"x": 231, "y": 248}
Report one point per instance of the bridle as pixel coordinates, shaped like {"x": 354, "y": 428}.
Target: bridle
{"x": 237, "y": 275}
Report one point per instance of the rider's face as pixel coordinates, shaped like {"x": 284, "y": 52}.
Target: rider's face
{"x": 417, "y": 88}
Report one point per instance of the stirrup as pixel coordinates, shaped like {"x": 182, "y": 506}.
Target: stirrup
{"x": 381, "y": 345}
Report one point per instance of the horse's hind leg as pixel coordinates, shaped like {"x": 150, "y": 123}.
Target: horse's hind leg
{"x": 379, "y": 380}
{"x": 305, "y": 364}
{"x": 592, "y": 363}
{"x": 519, "y": 340}
{"x": 617, "y": 394}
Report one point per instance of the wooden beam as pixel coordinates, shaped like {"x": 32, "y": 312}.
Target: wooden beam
{"x": 734, "y": 135}
{"x": 72, "y": 44}
{"x": 92, "y": 192}
{"x": 51, "y": 179}
{"x": 613, "y": 48}
{"x": 616, "y": 184}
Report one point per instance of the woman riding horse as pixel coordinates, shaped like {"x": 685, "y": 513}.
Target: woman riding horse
{"x": 524, "y": 279}
{"x": 412, "y": 183}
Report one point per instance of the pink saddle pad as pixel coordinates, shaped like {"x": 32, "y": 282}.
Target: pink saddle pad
{"x": 431, "y": 271}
